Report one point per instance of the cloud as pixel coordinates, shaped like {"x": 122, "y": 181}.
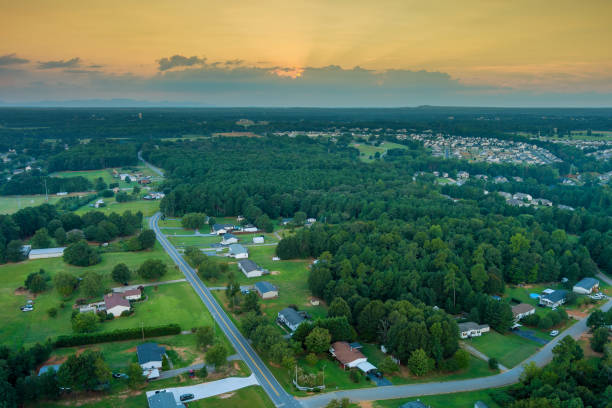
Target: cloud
{"x": 81, "y": 71}
{"x": 12, "y": 59}
{"x": 95, "y": 66}
{"x": 71, "y": 63}
{"x": 234, "y": 62}
{"x": 179, "y": 61}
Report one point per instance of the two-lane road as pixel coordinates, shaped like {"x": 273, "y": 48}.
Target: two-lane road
{"x": 275, "y": 391}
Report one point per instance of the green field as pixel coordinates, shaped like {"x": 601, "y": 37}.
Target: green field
{"x": 26, "y": 328}
{"x": 12, "y": 204}
{"x": 510, "y": 349}
{"x": 252, "y": 397}
{"x": 457, "y": 400}
{"x": 148, "y": 208}
{"x": 107, "y": 174}
{"x": 367, "y": 152}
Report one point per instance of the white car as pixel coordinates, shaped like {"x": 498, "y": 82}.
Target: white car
{"x": 554, "y": 333}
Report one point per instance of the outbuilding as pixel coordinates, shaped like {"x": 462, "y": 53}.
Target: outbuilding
{"x": 46, "y": 253}
{"x": 586, "y": 286}
{"x": 238, "y": 251}
{"x": 522, "y": 310}
{"x": 266, "y": 290}
{"x": 250, "y": 268}
{"x": 258, "y": 240}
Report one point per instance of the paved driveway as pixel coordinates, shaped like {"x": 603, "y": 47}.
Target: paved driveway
{"x": 210, "y": 389}
{"x": 527, "y": 334}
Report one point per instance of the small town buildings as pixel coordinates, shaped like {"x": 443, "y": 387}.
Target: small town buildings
{"x": 150, "y": 357}
{"x": 116, "y": 304}
{"x": 266, "y": 290}
{"x": 238, "y": 251}
{"x": 500, "y": 180}
{"x": 46, "y": 253}
{"x": 553, "y": 299}
{"x": 99, "y": 203}
{"x": 522, "y": 197}
{"x": 163, "y": 399}
{"x": 472, "y": 329}
{"x": 258, "y": 240}
{"x": 311, "y": 220}
{"x": 480, "y": 404}
{"x": 507, "y": 196}
{"x": 220, "y": 229}
{"x": 290, "y": 318}
{"x": 543, "y": 201}
{"x": 229, "y": 239}
{"x": 463, "y": 175}
{"x": 249, "y": 228}
{"x": 250, "y": 268}
{"x": 348, "y": 356}
{"x": 522, "y": 310}
{"x": 586, "y": 286}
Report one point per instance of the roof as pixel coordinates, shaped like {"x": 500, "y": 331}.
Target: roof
{"x": 587, "y": 283}
{"x": 50, "y": 367}
{"x": 345, "y": 354}
{"x": 413, "y": 404}
{"x": 148, "y": 352}
{"x": 163, "y": 400}
{"x": 555, "y": 296}
{"x": 366, "y": 367}
{"x": 471, "y": 326}
{"x": 228, "y": 236}
{"x": 217, "y": 227}
{"x": 115, "y": 299}
{"x": 237, "y": 249}
{"x": 480, "y": 404}
{"x": 521, "y": 308}
{"x": 47, "y": 251}
{"x": 264, "y": 287}
{"x": 248, "y": 266}
{"x": 291, "y": 316}
{"x": 131, "y": 292}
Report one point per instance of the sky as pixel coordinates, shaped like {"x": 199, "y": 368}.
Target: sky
{"x": 307, "y": 53}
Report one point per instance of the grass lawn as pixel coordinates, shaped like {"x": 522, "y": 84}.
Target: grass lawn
{"x": 367, "y": 150}
{"x": 194, "y": 241}
{"x": 510, "y": 349}
{"x": 147, "y": 207}
{"x": 170, "y": 222}
{"x": 252, "y": 397}
{"x": 27, "y": 328}
{"x": 12, "y": 204}
{"x": 107, "y": 174}
{"x": 176, "y": 231}
{"x": 457, "y": 400}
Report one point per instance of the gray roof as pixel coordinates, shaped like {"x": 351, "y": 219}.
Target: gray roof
{"x": 413, "y": 404}
{"x": 217, "y": 227}
{"x": 263, "y": 287}
{"x": 149, "y": 352}
{"x": 555, "y": 296}
{"x": 163, "y": 399}
{"x": 471, "y": 326}
{"x": 587, "y": 283}
{"x": 228, "y": 235}
{"x": 47, "y": 251}
{"x": 291, "y": 316}
{"x": 248, "y": 266}
{"x": 237, "y": 249}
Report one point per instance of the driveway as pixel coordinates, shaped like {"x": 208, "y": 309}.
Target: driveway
{"x": 380, "y": 382}
{"x": 210, "y": 389}
{"x": 195, "y": 367}
{"x": 527, "y": 334}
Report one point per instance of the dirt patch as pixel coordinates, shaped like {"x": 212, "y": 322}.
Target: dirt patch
{"x": 21, "y": 291}
{"x": 236, "y": 365}
{"x": 576, "y": 314}
{"x": 365, "y": 404}
{"x": 274, "y": 272}
{"x": 228, "y": 395}
{"x": 130, "y": 350}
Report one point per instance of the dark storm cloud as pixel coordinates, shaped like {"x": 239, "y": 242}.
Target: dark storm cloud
{"x": 179, "y": 61}
{"x": 12, "y": 59}
{"x": 71, "y": 63}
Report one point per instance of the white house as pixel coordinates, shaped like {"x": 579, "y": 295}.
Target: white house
{"x": 116, "y": 304}
{"x": 586, "y": 286}
{"x": 522, "y": 310}
{"x": 250, "y": 268}
{"x": 150, "y": 357}
{"x": 347, "y": 356}
{"x": 238, "y": 251}
{"x": 220, "y": 229}
{"x": 229, "y": 239}
{"x": 46, "y": 253}
{"x": 553, "y": 299}
{"x": 471, "y": 329}
{"x": 132, "y": 294}
{"x": 249, "y": 228}
{"x": 258, "y": 240}
{"x": 290, "y": 318}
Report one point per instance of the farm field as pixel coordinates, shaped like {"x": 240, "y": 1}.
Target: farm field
{"x": 457, "y": 400}
{"x": 12, "y": 204}
{"x": 367, "y": 151}
{"x": 148, "y": 208}
{"x": 510, "y": 349}
{"x": 27, "y": 328}
{"x": 252, "y": 397}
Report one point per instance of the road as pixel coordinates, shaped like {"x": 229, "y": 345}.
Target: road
{"x": 509, "y": 377}
{"x": 156, "y": 170}
{"x": 275, "y": 391}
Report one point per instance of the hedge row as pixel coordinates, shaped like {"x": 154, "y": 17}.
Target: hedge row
{"x": 116, "y": 335}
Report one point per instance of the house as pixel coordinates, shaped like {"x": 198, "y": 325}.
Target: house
{"x": 286, "y": 221}
{"x": 240, "y": 218}
{"x": 250, "y": 268}
{"x": 258, "y": 240}
{"x": 463, "y": 175}
{"x": 500, "y": 179}
{"x": 414, "y": 404}
{"x": 266, "y": 290}
{"x": 290, "y": 318}
{"x": 220, "y": 229}
{"x": 471, "y": 329}
{"x": 238, "y": 251}
{"x": 99, "y": 203}
{"x": 132, "y": 294}
{"x": 249, "y": 228}
{"x": 543, "y": 201}
{"x": 507, "y": 196}
{"x": 150, "y": 357}
{"x": 48, "y": 368}
{"x": 522, "y": 310}
{"x": 229, "y": 239}
{"x": 522, "y": 197}
{"x": 553, "y": 299}
{"x": 586, "y": 286}
{"x": 347, "y": 356}
{"x": 163, "y": 399}
{"x": 116, "y": 304}
{"x": 46, "y": 253}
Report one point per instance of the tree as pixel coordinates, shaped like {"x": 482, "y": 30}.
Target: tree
{"x": 479, "y": 277}
{"x": 311, "y": 359}
{"x": 493, "y": 363}
{"x": 217, "y": 355}
{"x": 36, "y": 282}
{"x": 204, "y": 336}
{"x": 92, "y": 284}
{"x": 60, "y": 236}
{"x": 121, "y": 273}
{"x": 135, "y": 377}
{"x": 84, "y": 322}
{"x": 318, "y": 340}
{"x": 596, "y": 319}
{"x": 462, "y": 359}
{"x": 146, "y": 239}
{"x": 451, "y": 280}
{"x": 193, "y": 221}
{"x": 84, "y": 372}
{"x": 14, "y": 252}
{"x": 388, "y": 365}
{"x": 599, "y": 339}
{"x": 152, "y": 269}
{"x": 339, "y": 307}
{"x": 418, "y": 363}
{"x": 263, "y": 222}
{"x": 81, "y": 254}
{"x": 251, "y": 303}
{"x": 202, "y": 372}
{"x": 165, "y": 363}
{"x": 370, "y": 318}
{"x": 65, "y": 283}
{"x": 41, "y": 239}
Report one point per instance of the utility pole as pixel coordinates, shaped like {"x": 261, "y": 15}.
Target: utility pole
{"x": 46, "y": 192}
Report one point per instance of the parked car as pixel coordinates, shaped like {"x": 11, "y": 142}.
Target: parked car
{"x": 191, "y": 373}
{"x": 27, "y": 308}
{"x": 186, "y": 397}
{"x": 554, "y": 333}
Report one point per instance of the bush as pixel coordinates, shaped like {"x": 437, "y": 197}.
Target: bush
{"x": 81, "y": 254}
{"x": 545, "y": 323}
{"x": 202, "y": 372}
{"x": 52, "y": 312}
{"x": 355, "y": 377}
{"x": 389, "y": 366}
{"x": 532, "y": 320}
{"x": 116, "y": 335}
{"x": 493, "y": 363}
{"x": 462, "y": 359}
{"x": 152, "y": 269}
{"x": 165, "y": 363}
{"x": 312, "y": 359}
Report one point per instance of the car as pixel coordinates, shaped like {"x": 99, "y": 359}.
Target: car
{"x": 191, "y": 373}
{"x": 186, "y": 397}
{"x": 30, "y": 301}
{"x": 26, "y": 308}
{"x": 158, "y": 391}
{"x": 554, "y": 333}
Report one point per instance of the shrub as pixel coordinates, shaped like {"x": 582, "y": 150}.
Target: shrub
{"x": 355, "y": 377}
{"x": 202, "y": 372}
{"x": 312, "y": 359}
{"x": 493, "y": 363}
{"x": 52, "y": 312}
{"x": 545, "y": 323}
{"x": 116, "y": 335}
{"x": 121, "y": 273}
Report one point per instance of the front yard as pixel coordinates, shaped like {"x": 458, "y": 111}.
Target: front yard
{"x": 510, "y": 349}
